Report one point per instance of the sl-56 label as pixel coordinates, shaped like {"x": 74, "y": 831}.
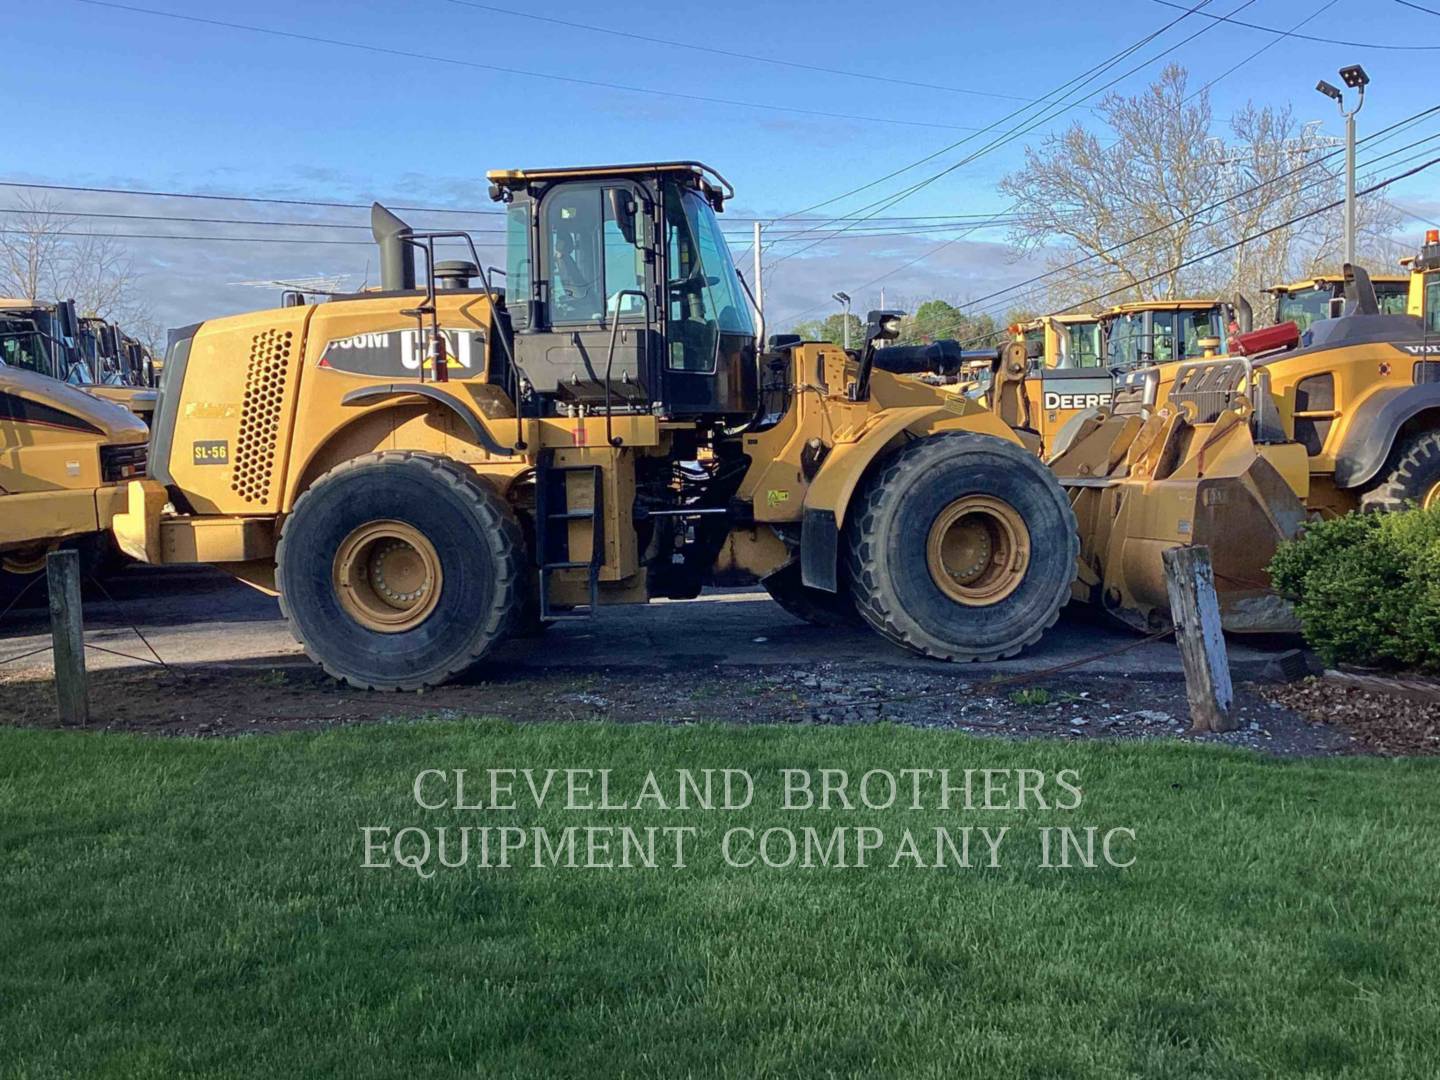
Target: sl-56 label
{"x": 212, "y": 452}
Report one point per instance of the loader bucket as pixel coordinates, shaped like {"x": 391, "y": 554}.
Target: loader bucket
{"x": 1184, "y": 476}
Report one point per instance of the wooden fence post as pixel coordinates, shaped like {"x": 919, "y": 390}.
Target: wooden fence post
{"x": 1195, "y": 611}
{"x": 67, "y": 630}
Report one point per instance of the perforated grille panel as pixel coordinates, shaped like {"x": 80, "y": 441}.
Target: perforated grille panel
{"x": 260, "y": 414}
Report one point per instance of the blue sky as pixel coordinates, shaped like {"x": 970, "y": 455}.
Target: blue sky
{"x": 138, "y": 101}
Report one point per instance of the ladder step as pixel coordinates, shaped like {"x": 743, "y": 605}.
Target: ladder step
{"x": 571, "y": 515}
{"x": 585, "y": 565}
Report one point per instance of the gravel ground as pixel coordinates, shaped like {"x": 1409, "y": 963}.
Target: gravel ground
{"x": 218, "y": 700}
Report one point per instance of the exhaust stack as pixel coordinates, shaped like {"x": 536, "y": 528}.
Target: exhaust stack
{"x": 397, "y": 257}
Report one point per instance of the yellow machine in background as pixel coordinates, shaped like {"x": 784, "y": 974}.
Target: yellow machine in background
{"x": 421, "y": 472}
{"x": 65, "y": 458}
{"x": 1235, "y": 453}
{"x": 1068, "y": 371}
{"x": 1323, "y": 297}
{"x": 1424, "y": 283}
{"x": 88, "y": 353}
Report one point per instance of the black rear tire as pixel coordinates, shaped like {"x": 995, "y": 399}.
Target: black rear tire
{"x": 1411, "y": 476}
{"x": 835, "y": 610}
{"x": 477, "y": 550}
{"x": 890, "y": 525}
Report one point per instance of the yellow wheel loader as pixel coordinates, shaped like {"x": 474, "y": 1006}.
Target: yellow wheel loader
{"x": 1323, "y": 297}
{"x": 421, "y": 472}
{"x": 65, "y": 460}
{"x": 1236, "y": 453}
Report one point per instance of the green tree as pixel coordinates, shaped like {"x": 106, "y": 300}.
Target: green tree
{"x": 832, "y": 329}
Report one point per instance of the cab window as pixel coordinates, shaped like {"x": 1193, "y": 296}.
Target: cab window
{"x": 1083, "y": 345}
{"x": 517, "y": 263}
{"x": 591, "y": 259}
{"x": 1432, "y": 303}
{"x": 1162, "y": 330}
{"x": 704, "y": 294}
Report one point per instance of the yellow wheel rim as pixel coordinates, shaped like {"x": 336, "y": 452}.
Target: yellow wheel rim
{"x": 978, "y": 550}
{"x": 1432, "y": 497}
{"x": 387, "y": 576}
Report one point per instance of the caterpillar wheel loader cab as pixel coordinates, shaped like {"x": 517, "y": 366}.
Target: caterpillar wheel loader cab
{"x": 423, "y": 471}
{"x": 1238, "y": 452}
{"x": 65, "y": 458}
{"x": 1323, "y": 297}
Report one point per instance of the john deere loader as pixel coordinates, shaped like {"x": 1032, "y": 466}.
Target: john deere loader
{"x": 1237, "y": 452}
{"x": 422, "y": 472}
{"x": 65, "y": 458}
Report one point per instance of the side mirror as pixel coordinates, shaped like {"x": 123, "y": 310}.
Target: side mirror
{"x": 622, "y": 211}
{"x": 69, "y": 321}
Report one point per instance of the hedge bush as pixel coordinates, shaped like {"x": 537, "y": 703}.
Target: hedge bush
{"x": 1367, "y": 588}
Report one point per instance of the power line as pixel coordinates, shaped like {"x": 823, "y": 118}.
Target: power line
{"x": 1305, "y": 37}
{"x": 407, "y": 54}
{"x": 1264, "y": 48}
{"x": 232, "y": 239}
{"x": 235, "y": 198}
{"x": 1381, "y": 186}
{"x": 1189, "y": 262}
{"x": 871, "y": 76}
{"x": 1114, "y": 58}
{"x": 1030, "y": 125}
{"x": 1417, "y": 7}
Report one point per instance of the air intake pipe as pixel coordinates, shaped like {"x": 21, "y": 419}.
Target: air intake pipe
{"x": 937, "y": 358}
{"x": 397, "y": 257}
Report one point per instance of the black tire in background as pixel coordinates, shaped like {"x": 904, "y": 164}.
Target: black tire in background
{"x": 1411, "y": 476}
{"x": 890, "y": 524}
{"x": 472, "y": 535}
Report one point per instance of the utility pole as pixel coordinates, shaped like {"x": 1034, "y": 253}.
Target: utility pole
{"x": 1355, "y": 78}
{"x": 759, "y": 284}
{"x": 844, "y": 300}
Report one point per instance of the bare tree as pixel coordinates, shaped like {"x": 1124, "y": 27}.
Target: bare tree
{"x": 1160, "y": 181}
{"x": 44, "y": 256}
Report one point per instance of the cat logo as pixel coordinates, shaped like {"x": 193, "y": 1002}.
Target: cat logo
{"x": 399, "y": 352}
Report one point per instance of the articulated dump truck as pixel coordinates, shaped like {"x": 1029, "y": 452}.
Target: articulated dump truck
{"x": 1237, "y": 452}
{"x": 423, "y": 472}
{"x": 65, "y": 458}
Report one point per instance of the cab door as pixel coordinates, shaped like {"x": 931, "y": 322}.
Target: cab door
{"x": 593, "y": 277}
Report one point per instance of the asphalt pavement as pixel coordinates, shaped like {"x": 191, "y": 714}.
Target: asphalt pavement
{"x": 199, "y": 616}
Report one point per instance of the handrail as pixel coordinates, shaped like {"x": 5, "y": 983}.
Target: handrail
{"x": 610, "y": 359}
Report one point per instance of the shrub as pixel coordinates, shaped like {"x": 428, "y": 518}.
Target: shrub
{"x": 1367, "y": 588}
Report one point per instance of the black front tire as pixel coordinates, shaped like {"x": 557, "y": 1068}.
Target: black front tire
{"x": 1411, "y": 476}
{"x": 887, "y": 531}
{"x": 475, "y": 537}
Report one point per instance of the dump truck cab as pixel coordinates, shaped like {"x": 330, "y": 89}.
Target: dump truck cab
{"x": 425, "y": 471}
{"x": 113, "y": 367}
{"x": 1309, "y": 301}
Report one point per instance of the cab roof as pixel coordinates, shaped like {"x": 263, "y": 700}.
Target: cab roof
{"x": 1136, "y": 306}
{"x": 715, "y": 187}
{"x": 1335, "y": 279}
{"x": 1069, "y": 319}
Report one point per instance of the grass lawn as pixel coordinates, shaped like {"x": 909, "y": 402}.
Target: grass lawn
{"x": 179, "y": 907}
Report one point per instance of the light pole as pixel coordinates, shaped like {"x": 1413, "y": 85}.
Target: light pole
{"x": 1355, "y": 78}
{"x": 844, "y": 300}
